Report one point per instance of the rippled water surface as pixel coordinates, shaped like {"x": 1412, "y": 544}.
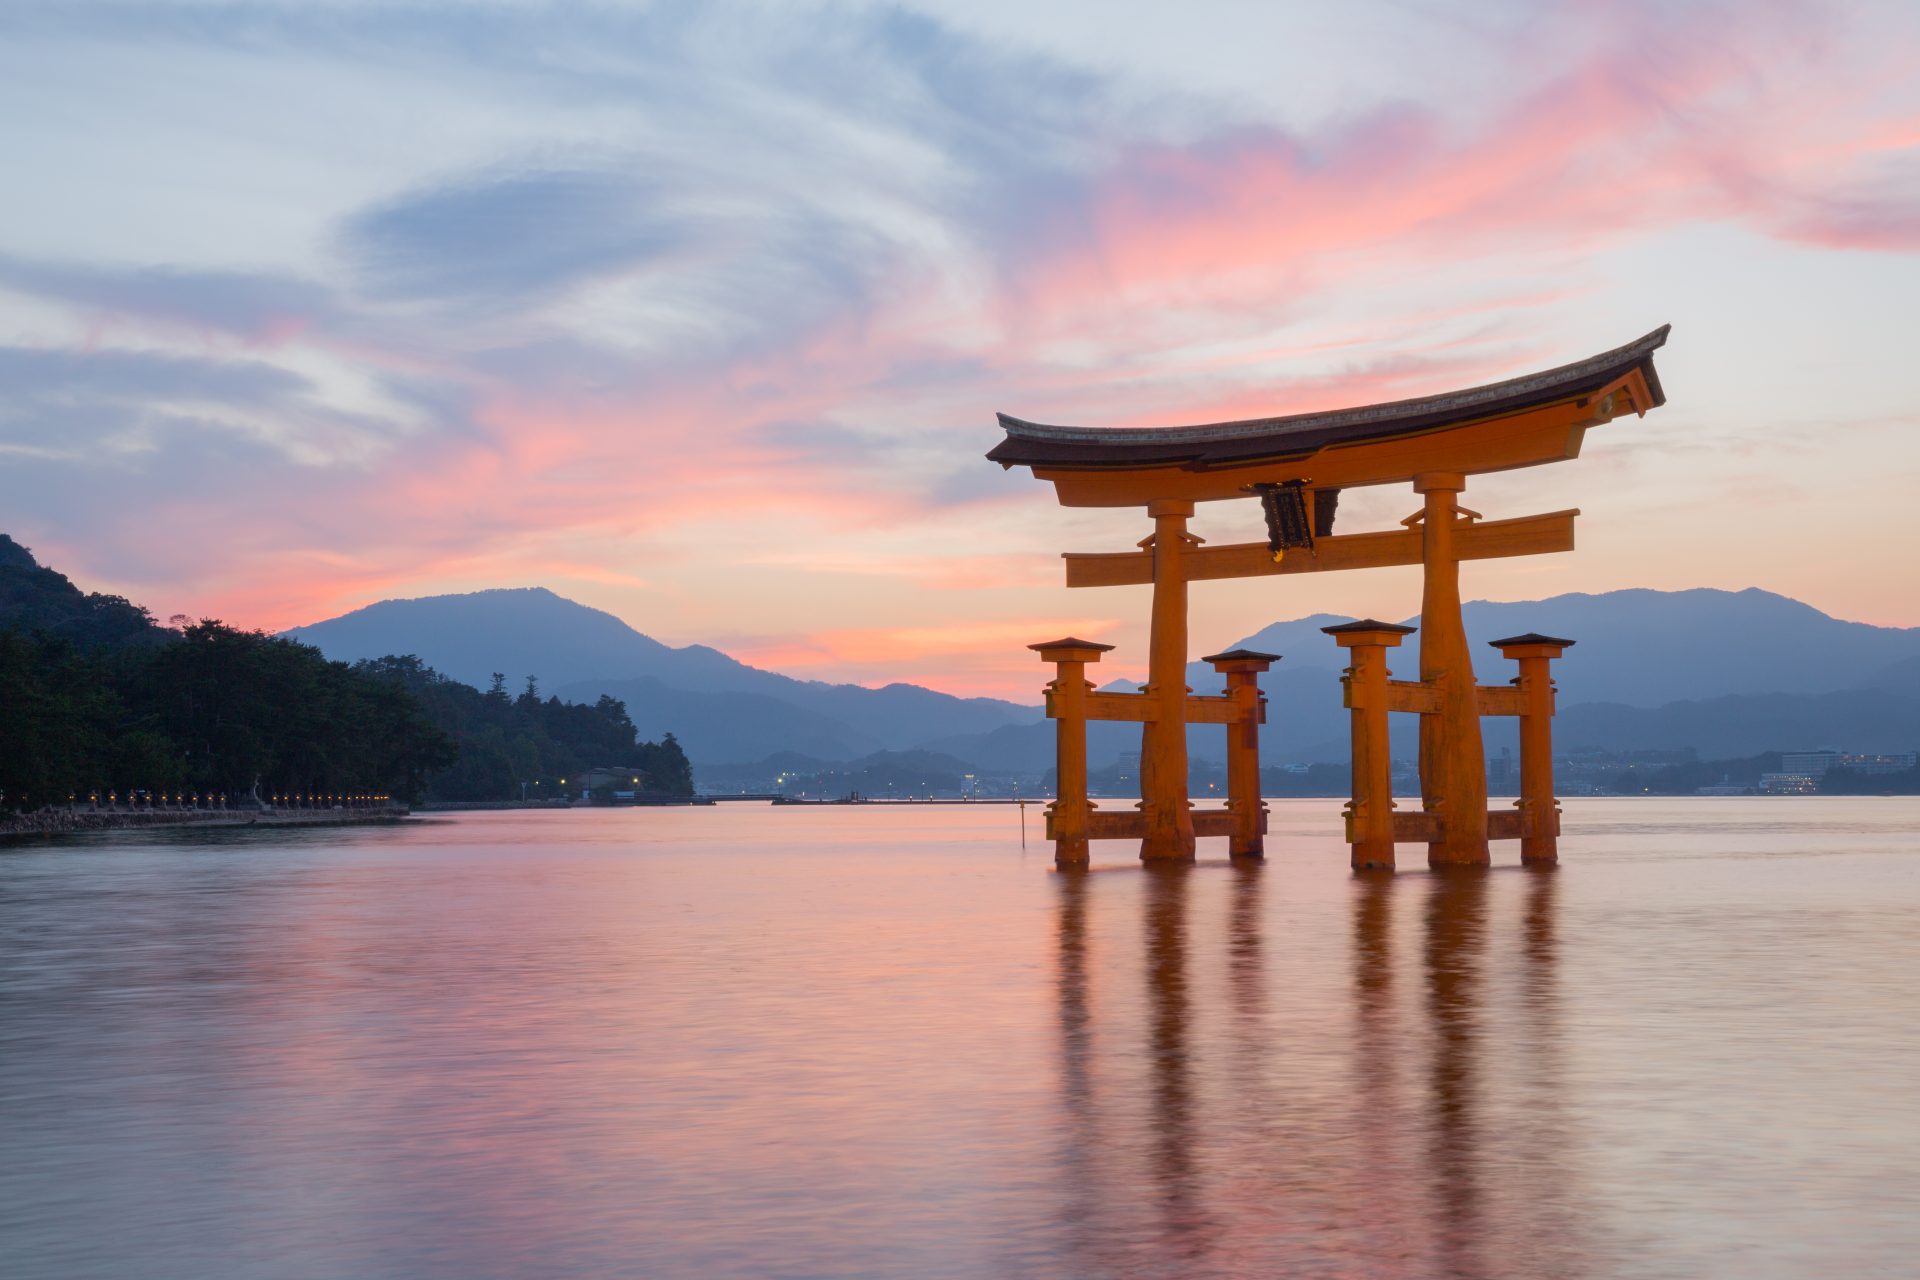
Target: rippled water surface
{"x": 888, "y": 1042}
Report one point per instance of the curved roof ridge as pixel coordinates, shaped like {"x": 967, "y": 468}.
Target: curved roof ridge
{"x": 1567, "y": 377}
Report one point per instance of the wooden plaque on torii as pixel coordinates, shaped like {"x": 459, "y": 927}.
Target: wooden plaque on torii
{"x": 1296, "y": 466}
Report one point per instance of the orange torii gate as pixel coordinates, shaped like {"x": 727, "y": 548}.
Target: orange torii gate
{"x": 1297, "y": 466}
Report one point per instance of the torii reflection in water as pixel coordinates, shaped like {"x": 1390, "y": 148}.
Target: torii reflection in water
{"x": 1264, "y": 1105}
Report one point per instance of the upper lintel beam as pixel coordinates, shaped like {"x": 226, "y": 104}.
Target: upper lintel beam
{"x": 1549, "y": 434}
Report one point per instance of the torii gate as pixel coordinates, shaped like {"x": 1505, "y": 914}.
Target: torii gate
{"x": 1296, "y": 466}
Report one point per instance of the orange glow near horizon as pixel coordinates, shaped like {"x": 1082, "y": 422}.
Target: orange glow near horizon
{"x": 730, "y": 376}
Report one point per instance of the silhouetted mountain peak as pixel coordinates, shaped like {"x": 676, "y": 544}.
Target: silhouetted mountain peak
{"x": 15, "y": 556}
{"x": 520, "y": 631}
{"x": 720, "y": 708}
{"x": 36, "y": 598}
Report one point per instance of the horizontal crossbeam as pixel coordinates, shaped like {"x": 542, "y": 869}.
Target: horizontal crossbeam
{"x": 1140, "y": 708}
{"x": 1479, "y": 540}
{"x": 1401, "y": 695}
{"x": 1410, "y": 826}
{"x": 1423, "y": 699}
{"x": 1501, "y": 700}
{"x": 1120, "y": 706}
{"x": 1417, "y": 826}
{"x": 1131, "y": 824}
{"x": 1216, "y": 709}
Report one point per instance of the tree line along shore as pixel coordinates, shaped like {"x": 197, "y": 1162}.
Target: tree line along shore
{"x": 97, "y": 699}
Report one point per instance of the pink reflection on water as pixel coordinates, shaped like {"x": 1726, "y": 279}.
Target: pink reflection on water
{"x": 1207, "y": 1138}
{"x": 887, "y": 1042}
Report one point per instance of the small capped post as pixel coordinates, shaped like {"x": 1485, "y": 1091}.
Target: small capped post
{"x": 1539, "y": 807}
{"x": 1069, "y": 816}
{"x": 1242, "y": 669}
{"x": 1370, "y": 812}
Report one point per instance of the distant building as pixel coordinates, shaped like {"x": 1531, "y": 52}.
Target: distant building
{"x": 1812, "y": 763}
{"x": 1724, "y": 789}
{"x": 1817, "y": 764}
{"x": 1898, "y": 762}
{"x": 1788, "y": 784}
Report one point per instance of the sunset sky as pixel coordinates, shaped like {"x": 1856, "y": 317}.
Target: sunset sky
{"x": 700, "y": 313}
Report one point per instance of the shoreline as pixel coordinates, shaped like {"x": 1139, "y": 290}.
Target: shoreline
{"x": 53, "y": 822}
{"x": 484, "y": 806}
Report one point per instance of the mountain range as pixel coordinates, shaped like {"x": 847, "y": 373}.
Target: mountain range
{"x": 1723, "y": 672}
{"x": 719, "y": 708}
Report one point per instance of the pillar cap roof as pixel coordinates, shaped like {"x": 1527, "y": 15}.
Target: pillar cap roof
{"x": 1241, "y": 655}
{"x": 1368, "y": 624}
{"x": 1532, "y": 637}
{"x": 1071, "y": 642}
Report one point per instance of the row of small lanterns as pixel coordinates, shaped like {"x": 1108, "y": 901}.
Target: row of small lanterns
{"x": 189, "y": 799}
{"x": 194, "y": 799}
{"x": 329, "y": 799}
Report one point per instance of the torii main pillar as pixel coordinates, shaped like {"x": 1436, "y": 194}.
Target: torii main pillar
{"x": 1453, "y": 765}
{"x": 1163, "y": 739}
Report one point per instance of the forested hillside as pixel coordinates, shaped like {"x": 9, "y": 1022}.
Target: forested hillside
{"x": 95, "y": 697}
{"x": 506, "y": 741}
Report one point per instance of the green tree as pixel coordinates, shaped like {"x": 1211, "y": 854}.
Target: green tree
{"x": 95, "y": 697}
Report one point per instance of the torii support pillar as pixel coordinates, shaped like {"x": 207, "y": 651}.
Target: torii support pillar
{"x": 1163, "y": 739}
{"x": 1071, "y": 813}
{"x": 1539, "y": 807}
{"x": 1370, "y": 812}
{"x": 1242, "y": 669}
{"x": 1453, "y": 765}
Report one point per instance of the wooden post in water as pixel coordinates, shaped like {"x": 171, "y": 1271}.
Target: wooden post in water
{"x": 1070, "y": 814}
{"x": 1539, "y": 807}
{"x": 1163, "y": 739}
{"x": 1242, "y": 669}
{"x": 1370, "y": 812}
{"x": 1453, "y": 765}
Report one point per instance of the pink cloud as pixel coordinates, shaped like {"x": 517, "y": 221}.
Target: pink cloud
{"x": 1174, "y": 281}
{"x": 1667, "y": 122}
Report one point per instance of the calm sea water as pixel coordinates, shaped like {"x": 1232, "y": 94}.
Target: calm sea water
{"x": 888, "y": 1042}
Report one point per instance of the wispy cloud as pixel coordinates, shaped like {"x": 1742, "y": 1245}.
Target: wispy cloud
{"x": 623, "y": 287}
{"x": 509, "y": 240}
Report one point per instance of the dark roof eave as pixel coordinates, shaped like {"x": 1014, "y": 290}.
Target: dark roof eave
{"x": 1360, "y": 625}
{"x": 1532, "y": 637}
{"x": 1242, "y": 655}
{"x": 1218, "y": 444}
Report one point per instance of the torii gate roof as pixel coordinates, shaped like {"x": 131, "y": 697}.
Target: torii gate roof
{"x": 1221, "y": 445}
